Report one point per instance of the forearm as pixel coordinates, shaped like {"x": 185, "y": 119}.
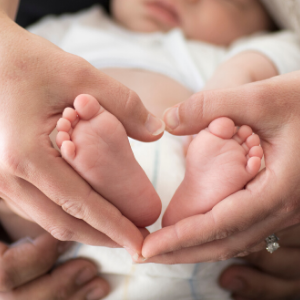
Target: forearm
{"x": 246, "y": 67}
{"x": 9, "y": 7}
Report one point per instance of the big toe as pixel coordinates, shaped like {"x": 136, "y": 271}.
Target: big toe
{"x": 222, "y": 127}
{"x": 87, "y": 106}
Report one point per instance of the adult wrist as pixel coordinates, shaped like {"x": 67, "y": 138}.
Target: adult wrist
{"x": 9, "y": 8}
{"x": 6, "y": 23}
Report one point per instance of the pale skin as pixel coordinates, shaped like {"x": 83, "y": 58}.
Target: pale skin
{"x": 242, "y": 109}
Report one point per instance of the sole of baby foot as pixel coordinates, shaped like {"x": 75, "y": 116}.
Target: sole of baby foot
{"x": 220, "y": 161}
{"x": 95, "y": 144}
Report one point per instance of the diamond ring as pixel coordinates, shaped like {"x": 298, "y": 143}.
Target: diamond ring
{"x": 272, "y": 243}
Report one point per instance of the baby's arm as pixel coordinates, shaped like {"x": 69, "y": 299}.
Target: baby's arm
{"x": 257, "y": 58}
{"x": 245, "y": 67}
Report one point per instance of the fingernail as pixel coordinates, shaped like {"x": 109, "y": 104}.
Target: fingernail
{"x": 235, "y": 285}
{"x": 95, "y": 294}
{"x": 64, "y": 246}
{"x": 171, "y": 118}
{"x": 154, "y": 125}
{"x": 137, "y": 258}
{"x": 85, "y": 276}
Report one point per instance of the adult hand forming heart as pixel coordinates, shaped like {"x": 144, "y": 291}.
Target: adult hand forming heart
{"x": 220, "y": 161}
{"x": 269, "y": 203}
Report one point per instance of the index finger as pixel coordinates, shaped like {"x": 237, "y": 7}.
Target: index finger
{"x": 237, "y": 223}
{"x": 86, "y": 216}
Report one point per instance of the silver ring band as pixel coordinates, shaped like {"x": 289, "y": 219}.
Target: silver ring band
{"x": 272, "y": 243}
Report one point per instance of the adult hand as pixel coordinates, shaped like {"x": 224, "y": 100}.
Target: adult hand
{"x": 25, "y": 264}
{"x": 37, "y": 81}
{"x": 271, "y": 277}
{"x": 239, "y": 224}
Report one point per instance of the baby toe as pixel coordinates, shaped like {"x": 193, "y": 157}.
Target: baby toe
{"x": 68, "y": 150}
{"x": 242, "y": 134}
{"x": 70, "y": 114}
{"x": 253, "y": 165}
{"x": 252, "y": 141}
{"x": 87, "y": 107}
{"x": 222, "y": 127}
{"x": 61, "y": 137}
{"x": 63, "y": 125}
{"x": 256, "y": 151}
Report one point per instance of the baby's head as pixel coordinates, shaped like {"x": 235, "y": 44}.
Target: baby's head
{"x": 218, "y": 22}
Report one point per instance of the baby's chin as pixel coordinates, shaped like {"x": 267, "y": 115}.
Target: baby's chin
{"x": 143, "y": 26}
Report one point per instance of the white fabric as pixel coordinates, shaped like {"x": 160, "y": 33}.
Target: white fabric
{"x": 282, "y": 48}
{"x": 96, "y": 38}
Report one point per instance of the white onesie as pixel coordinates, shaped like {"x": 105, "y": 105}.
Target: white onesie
{"x": 93, "y": 36}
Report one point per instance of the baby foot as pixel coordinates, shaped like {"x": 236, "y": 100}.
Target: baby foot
{"x": 96, "y": 145}
{"x": 219, "y": 162}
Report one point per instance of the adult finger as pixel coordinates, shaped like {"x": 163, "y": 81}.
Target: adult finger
{"x": 247, "y": 283}
{"x": 227, "y": 223}
{"x": 62, "y": 225}
{"x": 85, "y": 215}
{"x": 283, "y": 263}
{"x": 28, "y": 259}
{"x": 289, "y": 236}
{"x": 74, "y": 280}
{"x": 94, "y": 290}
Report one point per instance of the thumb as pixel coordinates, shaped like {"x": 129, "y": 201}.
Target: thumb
{"x": 119, "y": 100}
{"x": 264, "y": 104}
{"x": 28, "y": 259}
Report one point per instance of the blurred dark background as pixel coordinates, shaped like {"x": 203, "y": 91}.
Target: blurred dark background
{"x": 31, "y": 11}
